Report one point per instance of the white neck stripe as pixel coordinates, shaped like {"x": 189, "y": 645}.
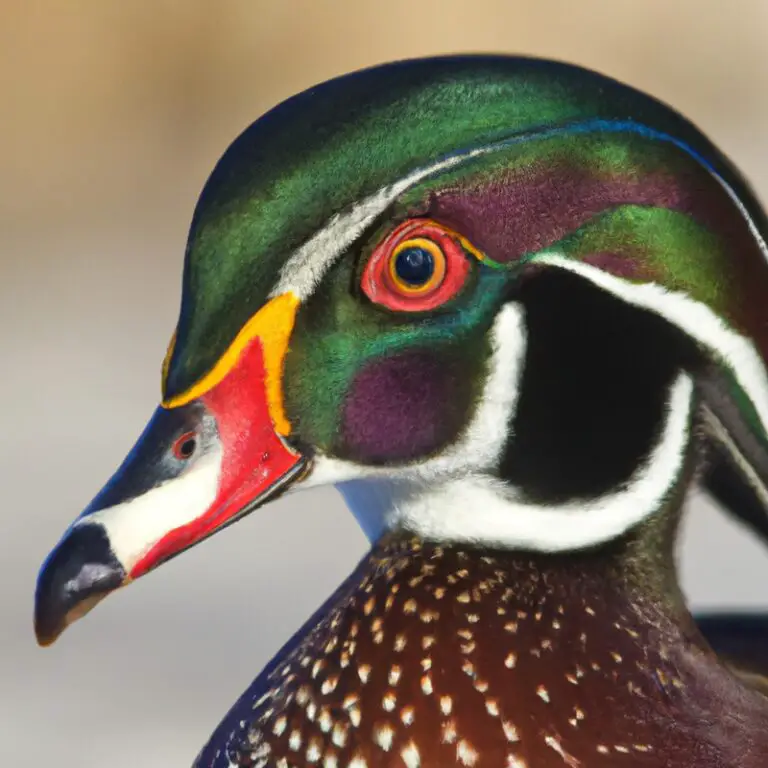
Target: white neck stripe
{"x": 479, "y": 510}
{"x": 691, "y": 316}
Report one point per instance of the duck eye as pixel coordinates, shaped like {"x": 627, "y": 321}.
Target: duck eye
{"x": 418, "y": 267}
{"x": 185, "y": 446}
{"x": 413, "y": 264}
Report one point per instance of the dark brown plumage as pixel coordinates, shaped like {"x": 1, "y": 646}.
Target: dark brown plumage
{"x": 433, "y": 656}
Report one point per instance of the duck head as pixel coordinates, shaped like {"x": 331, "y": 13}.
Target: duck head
{"x": 493, "y": 300}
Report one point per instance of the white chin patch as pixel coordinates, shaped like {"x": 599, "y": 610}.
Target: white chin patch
{"x": 135, "y": 526}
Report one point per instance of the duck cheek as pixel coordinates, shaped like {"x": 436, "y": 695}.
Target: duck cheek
{"x": 405, "y": 406}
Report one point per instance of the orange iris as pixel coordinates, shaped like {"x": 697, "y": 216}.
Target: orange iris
{"x": 438, "y": 264}
{"x": 439, "y": 267}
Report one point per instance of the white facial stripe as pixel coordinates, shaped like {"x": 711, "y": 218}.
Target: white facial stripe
{"x": 745, "y": 214}
{"x": 304, "y": 270}
{"x": 134, "y": 527}
{"x": 693, "y": 317}
{"x": 480, "y": 510}
{"x": 479, "y": 448}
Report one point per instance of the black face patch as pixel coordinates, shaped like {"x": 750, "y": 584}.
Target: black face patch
{"x": 172, "y": 440}
{"x": 593, "y": 394}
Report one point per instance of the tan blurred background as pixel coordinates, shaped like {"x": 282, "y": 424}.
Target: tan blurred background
{"x": 111, "y": 116}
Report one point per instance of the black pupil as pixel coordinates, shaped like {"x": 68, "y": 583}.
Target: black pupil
{"x": 187, "y": 448}
{"x": 414, "y": 266}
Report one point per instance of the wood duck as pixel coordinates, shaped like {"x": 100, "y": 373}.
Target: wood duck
{"x": 513, "y": 310}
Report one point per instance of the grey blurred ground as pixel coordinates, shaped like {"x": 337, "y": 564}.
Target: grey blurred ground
{"x": 112, "y": 115}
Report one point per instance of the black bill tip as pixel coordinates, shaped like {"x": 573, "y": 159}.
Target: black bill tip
{"x": 77, "y": 574}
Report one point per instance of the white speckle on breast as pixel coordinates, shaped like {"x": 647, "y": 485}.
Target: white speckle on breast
{"x": 411, "y": 756}
{"x": 384, "y": 735}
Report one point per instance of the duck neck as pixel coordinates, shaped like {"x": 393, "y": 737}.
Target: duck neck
{"x": 622, "y": 595}
{"x": 632, "y": 572}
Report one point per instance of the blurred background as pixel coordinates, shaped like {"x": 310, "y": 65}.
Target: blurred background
{"x": 111, "y": 116}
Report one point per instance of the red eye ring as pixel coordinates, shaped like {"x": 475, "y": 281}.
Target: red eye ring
{"x": 184, "y": 446}
{"x": 411, "y": 245}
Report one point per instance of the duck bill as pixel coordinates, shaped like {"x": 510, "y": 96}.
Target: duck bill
{"x": 204, "y": 461}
